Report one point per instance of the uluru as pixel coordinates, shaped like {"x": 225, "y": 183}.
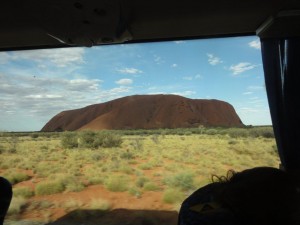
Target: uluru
{"x": 147, "y": 112}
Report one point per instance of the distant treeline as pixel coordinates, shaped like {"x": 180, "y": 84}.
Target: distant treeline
{"x": 250, "y": 131}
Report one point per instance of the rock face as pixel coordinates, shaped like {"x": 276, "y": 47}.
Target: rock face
{"x": 147, "y": 112}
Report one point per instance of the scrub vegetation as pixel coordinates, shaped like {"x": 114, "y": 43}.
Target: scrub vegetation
{"x": 62, "y": 169}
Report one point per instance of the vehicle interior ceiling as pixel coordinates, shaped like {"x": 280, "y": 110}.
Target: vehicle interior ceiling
{"x": 38, "y": 24}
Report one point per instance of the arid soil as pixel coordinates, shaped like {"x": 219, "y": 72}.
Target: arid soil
{"x": 147, "y": 112}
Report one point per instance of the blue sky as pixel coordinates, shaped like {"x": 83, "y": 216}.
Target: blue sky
{"x": 35, "y": 85}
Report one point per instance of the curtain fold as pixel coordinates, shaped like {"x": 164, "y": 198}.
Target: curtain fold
{"x": 281, "y": 62}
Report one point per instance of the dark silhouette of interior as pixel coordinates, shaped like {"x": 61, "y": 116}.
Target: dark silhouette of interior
{"x": 118, "y": 216}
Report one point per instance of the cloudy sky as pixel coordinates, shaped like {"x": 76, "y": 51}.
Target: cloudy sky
{"x": 36, "y": 85}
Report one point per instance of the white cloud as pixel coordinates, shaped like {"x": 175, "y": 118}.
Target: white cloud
{"x": 249, "y": 110}
{"x": 179, "y": 42}
{"x": 197, "y": 76}
{"x": 241, "y": 67}
{"x": 184, "y": 93}
{"x": 158, "y": 60}
{"x": 4, "y": 57}
{"x": 124, "y": 81}
{"x": 248, "y": 93}
{"x": 174, "y": 65}
{"x": 254, "y": 115}
{"x": 43, "y": 96}
{"x": 61, "y": 57}
{"x": 46, "y": 96}
{"x": 187, "y": 78}
{"x": 129, "y": 71}
{"x": 255, "y": 44}
{"x": 213, "y": 60}
{"x": 82, "y": 84}
{"x": 107, "y": 95}
{"x": 253, "y": 88}
{"x": 256, "y": 101}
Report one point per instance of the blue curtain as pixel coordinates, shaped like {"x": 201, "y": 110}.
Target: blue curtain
{"x": 281, "y": 62}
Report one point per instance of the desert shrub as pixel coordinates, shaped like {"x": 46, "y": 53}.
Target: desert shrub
{"x": 127, "y": 155}
{"x": 74, "y": 186}
{"x": 266, "y": 132}
{"x": 211, "y": 131}
{"x": 49, "y": 187}
{"x": 232, "y": 142}
{"x": 117, "y": 183}
{"x": 100, "y": 204}
{"x": 97, "y": 156}
{"x": 91, "y": 139}
{"x": 34, "y": 135}
{"x": 135, "y": 192}
{"x": 71, "y": 204}
{"x": 183, "y": 181}
{"x": 25, "y": 192}
{"x": 17, "y": 204}
{"x": 2, "y": 149}
{"x": 110, "y": 139}
{"x": 140, "y": 182}
{"x": 137, "y": 144}
{"x": 44, "y": 148}
{"x": 95, "y": 180}
{"x": 145, "y": 166}
{"x": 45, "y": 169}
{"x": 69, "y": 140}
{"x": 149, "y": 186}
{"x": 13, "y": 143}
{"x": 126, "y": 169}
{"x": 237, "y": 132}
{"x": 155, "y": 138}
{"x": 172, "y": 196}
{"x": 16, "y": 177}
{"x": 69, "y": 182}
{"x": 39, "y": 204}
{"x": 87, "y": 139}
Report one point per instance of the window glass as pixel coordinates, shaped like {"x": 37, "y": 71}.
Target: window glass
{"x": 130, "y": 173}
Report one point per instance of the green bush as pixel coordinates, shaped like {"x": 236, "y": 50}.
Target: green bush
{"x": 117, "y": 184}
{"x": 16, "y": 177}
{"x": 146, "y": 166}
{"x": 45, "y": 169}
{"x": 91, "y": 139}
{"x": 127, "y": 155}
{"x": 25, "y": 192}
{"x": 172, "y": 196}
{"x": 17, "y": 204}
{"x": 87, "y": 139}
{"x": 266, "y": 132}
{"x": 49, "y": 187}
{"x": 95, "y": 180}
{"x": 149, "y": 186}
{"x": 140, "y": 182}
{"x": 211, "y": 131}
{"x": 69, "y": 140}
{"x": 183, "y": 181}
{"x": 135, "y": 192}
{"x": 74, "y": 186}
{"x": 109, "y": 140}
{"x": 237, "y": 132}
{"x": 34, "y": 135}
{"x": 69, "y": 182}
{"x": 2, "y": 149}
